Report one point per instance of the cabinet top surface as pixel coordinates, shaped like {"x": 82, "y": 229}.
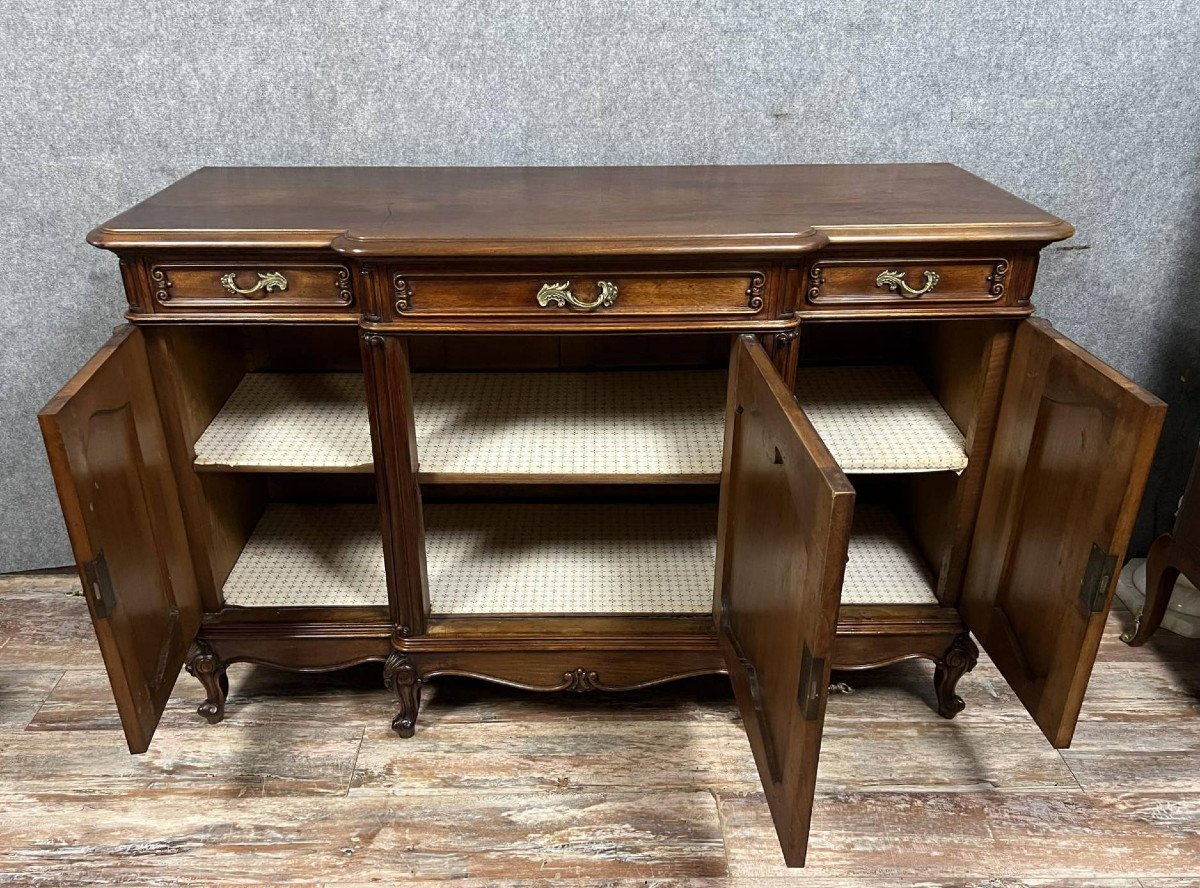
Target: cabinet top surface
{"x": 461, "y": 211}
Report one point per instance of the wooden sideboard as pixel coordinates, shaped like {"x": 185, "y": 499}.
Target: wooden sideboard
{"x": 596, "y": 429}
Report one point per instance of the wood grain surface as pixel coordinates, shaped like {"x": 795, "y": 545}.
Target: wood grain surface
{"x": 546, "y": 211}
{"x": 304, "y": 784}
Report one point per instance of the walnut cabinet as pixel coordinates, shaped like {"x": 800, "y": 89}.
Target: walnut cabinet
{"x": 597, "y": 429}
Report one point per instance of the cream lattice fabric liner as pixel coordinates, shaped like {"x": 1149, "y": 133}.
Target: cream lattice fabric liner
{"x": 489, "y": 558}
{"x": 629, "y": 423}
{"x": 598, "y": 559}
{"x": 884, "y": 565}
{"x": 303, "y": 555}
{"x": 880, "y": 419}
{"x": 291, "y": 420}
{"x": 520, "y": 558}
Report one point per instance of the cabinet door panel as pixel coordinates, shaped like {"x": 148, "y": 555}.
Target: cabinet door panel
{"x": 108, "y": 453}
{"x": 783, "y": 534}
{"x": 1073, "y": 446}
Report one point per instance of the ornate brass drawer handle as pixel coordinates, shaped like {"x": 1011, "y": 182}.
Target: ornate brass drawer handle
{"x": 894, "y": 281}
{"x": 561, "y": 295}
{"x": 267, "y": 282}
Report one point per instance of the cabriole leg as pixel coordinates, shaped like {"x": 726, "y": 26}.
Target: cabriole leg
{"x": 959, "y": 659}
{"x": 400, "y": 676}
{"x": 1160, "y": 583}
{"x": 203, "y": 663}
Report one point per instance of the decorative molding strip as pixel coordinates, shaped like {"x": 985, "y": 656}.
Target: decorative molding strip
{"x": 589, "y": 680}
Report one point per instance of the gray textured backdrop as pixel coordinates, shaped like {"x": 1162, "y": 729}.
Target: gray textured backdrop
{"x": 1088, "y": 108}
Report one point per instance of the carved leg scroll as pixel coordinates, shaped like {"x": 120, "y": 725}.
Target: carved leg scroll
{"x": 959, "y": 659}
{"x": 203, "y": 663}
{"x": 1160, "y": 583}
{"x": 401, "y": 678}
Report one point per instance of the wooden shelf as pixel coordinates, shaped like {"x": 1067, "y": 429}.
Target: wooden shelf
{"x": 311, "y": 556}
{"x": 570, "y": 559}
{"x": 507, "y": 558}
{"x": 880, "y": 420}
{"x": 647, "y": 426}
{"x": 884, "y": 566}
{"x": 626, "y": 427}
{"x": 288, "y": 422}
{"x": 489, "y": 559}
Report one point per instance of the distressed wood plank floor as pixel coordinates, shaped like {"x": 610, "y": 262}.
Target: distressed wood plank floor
{"x": 304, "y": 784}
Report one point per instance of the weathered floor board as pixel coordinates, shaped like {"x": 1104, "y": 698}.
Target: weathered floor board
{"x": 975, "y": 836}
{"x": 256, "y": 761}
{"x": 271, "y": 841}
{"x": 304, "y": 784}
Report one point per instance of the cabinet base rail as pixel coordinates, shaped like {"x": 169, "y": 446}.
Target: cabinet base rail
{"x": 602, "y": 670}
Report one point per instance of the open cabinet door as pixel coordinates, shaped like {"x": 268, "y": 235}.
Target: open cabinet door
{"x": 1072, "y": 448}
{"x": 105, "y": 441}
{"x": 783, "y": 534}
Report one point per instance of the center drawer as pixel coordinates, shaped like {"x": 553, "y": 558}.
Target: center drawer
{"x": 565, "y": 295}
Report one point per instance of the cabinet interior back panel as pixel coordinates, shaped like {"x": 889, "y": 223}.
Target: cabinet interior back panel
{"x": 518, "y": 558}
{"x": 569, "y": 423}
{"x": 880, "y": 419}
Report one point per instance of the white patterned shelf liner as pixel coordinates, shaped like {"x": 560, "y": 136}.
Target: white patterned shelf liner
{"x": 531, "y": 559}
{"x": 291, "y": 420}
{"x": 570, "y": 559}
{"x": 626, "y": 423}
{"x": 880, "y": 419}
{"x": 565, "y": 423}
{"x": 489, "y": 558}
{"x": 884, "y": 566}
{"x": 305, "y": 555}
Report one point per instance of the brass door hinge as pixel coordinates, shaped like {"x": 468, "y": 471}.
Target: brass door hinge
{"x": 99, "y": 586}
{"x": 1096, "y": 577}
{"x": 812, "y": 671}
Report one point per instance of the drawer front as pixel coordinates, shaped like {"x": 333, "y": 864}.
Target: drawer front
{"x": 285, "y": 287}
{"x": 851, "y": 283}
{"x": 557, "y": 297}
